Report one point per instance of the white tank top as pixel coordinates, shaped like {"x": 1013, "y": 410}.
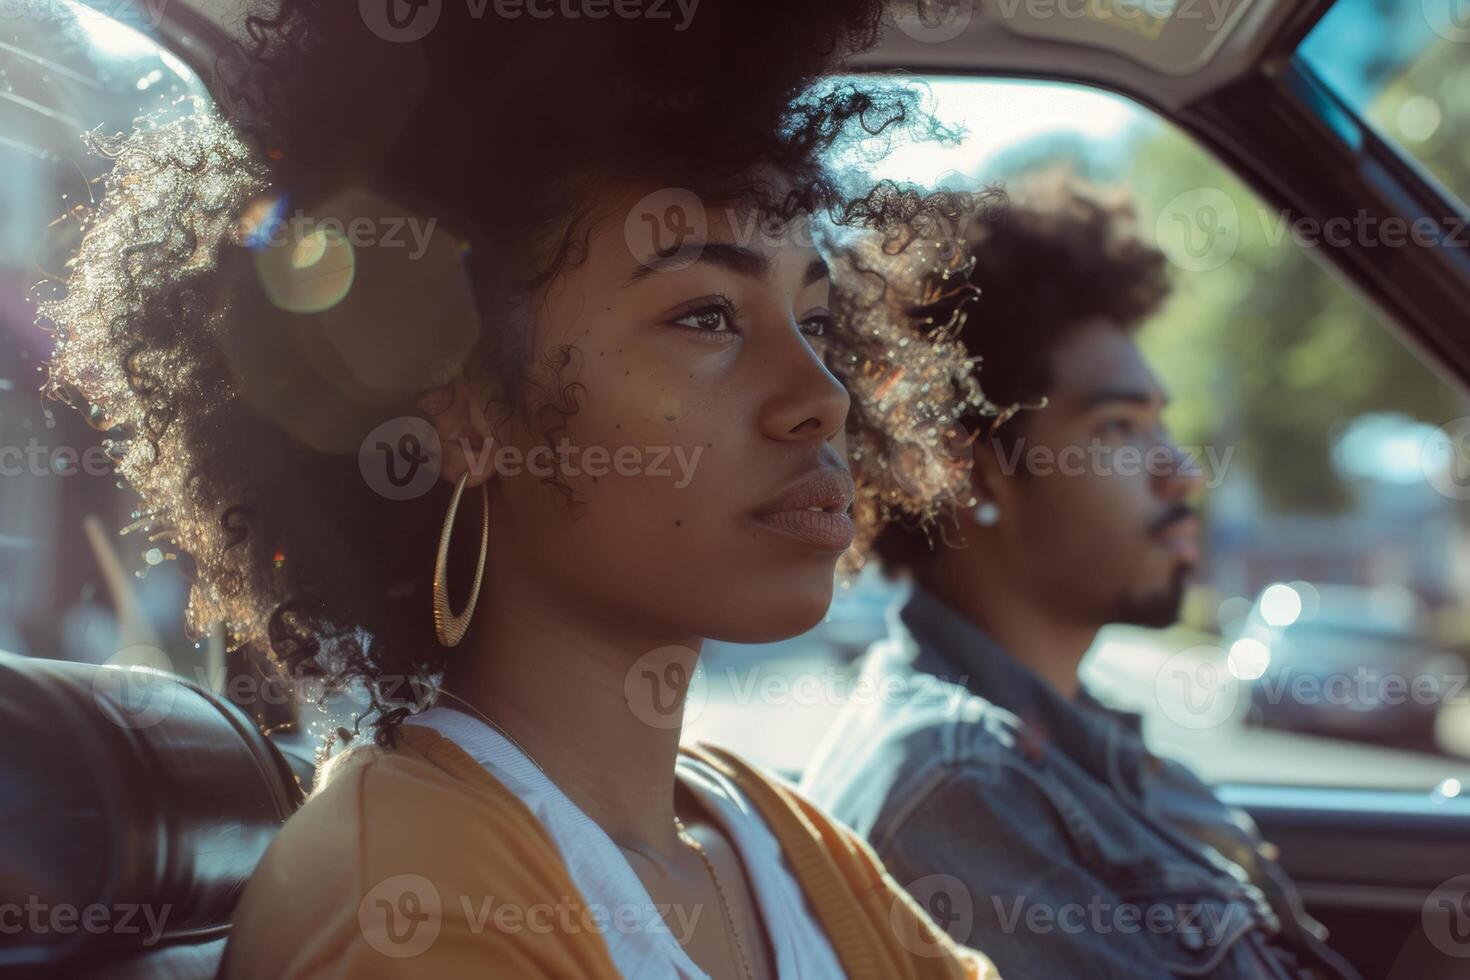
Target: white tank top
{"x": 638, "y": 939}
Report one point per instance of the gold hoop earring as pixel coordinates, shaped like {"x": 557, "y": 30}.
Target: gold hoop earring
{"x": 449, "y": 627}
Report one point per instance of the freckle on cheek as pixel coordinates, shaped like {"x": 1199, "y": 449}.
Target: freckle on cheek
{"x": 669, "y": 407}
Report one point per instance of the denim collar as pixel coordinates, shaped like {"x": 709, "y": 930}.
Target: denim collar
{"x": 943, "y": 642}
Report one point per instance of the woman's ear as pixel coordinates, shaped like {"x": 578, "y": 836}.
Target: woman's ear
{"x": 460, "y": 414}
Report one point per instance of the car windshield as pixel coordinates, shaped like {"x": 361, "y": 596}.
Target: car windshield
{"x": 1403, "y": 67}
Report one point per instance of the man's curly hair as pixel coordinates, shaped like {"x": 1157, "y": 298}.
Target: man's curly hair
{"x": 1060, "y": 254}
{"x": 509, "y": 128}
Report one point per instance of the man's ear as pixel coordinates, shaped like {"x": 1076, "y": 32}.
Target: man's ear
{"x": 460, "y": 413}
{"x": 988, "y": 479}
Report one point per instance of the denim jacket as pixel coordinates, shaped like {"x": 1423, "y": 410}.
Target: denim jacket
{"x": 1041, "y": 830}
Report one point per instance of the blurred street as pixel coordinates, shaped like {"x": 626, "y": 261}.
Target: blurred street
{"x": 774, "y": 703}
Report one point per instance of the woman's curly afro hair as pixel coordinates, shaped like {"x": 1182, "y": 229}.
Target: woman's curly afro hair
{"x": 507, "y": 125}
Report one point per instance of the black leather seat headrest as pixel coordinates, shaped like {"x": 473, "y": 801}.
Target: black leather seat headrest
{"x": 135, "y": 806}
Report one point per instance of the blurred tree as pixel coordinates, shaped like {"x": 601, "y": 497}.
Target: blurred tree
{"x": 1275, "y": 355}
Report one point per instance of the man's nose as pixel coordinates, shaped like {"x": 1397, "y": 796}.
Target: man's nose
{"x": 1183, "y": 475}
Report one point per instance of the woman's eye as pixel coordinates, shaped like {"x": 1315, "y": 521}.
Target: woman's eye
{"x": 709, "y": 319}
{"x": 1117, "y": 427}
{"x": 818, "y": 324}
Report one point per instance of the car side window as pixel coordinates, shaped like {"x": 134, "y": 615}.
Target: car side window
{"x": 1323, "y": 639}
{"x": 68, "y": 74}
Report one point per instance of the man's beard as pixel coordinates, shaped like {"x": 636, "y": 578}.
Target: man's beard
{"x": 1155, "y": 609}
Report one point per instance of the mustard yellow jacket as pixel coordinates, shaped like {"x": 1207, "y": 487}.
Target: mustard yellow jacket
{"x": 423, "y": 822}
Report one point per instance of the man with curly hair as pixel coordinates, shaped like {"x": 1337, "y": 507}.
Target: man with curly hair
{"x": 1030, "y": 819}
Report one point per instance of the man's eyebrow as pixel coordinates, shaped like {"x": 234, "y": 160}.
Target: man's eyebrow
{"x": 1142, "y": 397}
{"x": 738, "y": 259}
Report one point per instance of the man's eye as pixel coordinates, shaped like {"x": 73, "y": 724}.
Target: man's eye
{"x": 709, "y": 319}
{"x": 1117, "y": 427}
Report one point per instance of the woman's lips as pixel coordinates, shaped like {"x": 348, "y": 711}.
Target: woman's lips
{"x": 813, "y": 509}
{"x": 819, "y": 529}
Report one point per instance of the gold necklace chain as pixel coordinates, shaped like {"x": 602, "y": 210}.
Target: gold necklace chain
{"x": 684, "y": 835}
{"x": 735, "y": 936}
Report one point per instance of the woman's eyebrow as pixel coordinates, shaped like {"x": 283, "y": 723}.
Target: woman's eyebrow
{"x": 738, "y": 259}
{"x": 816, "y": 272}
